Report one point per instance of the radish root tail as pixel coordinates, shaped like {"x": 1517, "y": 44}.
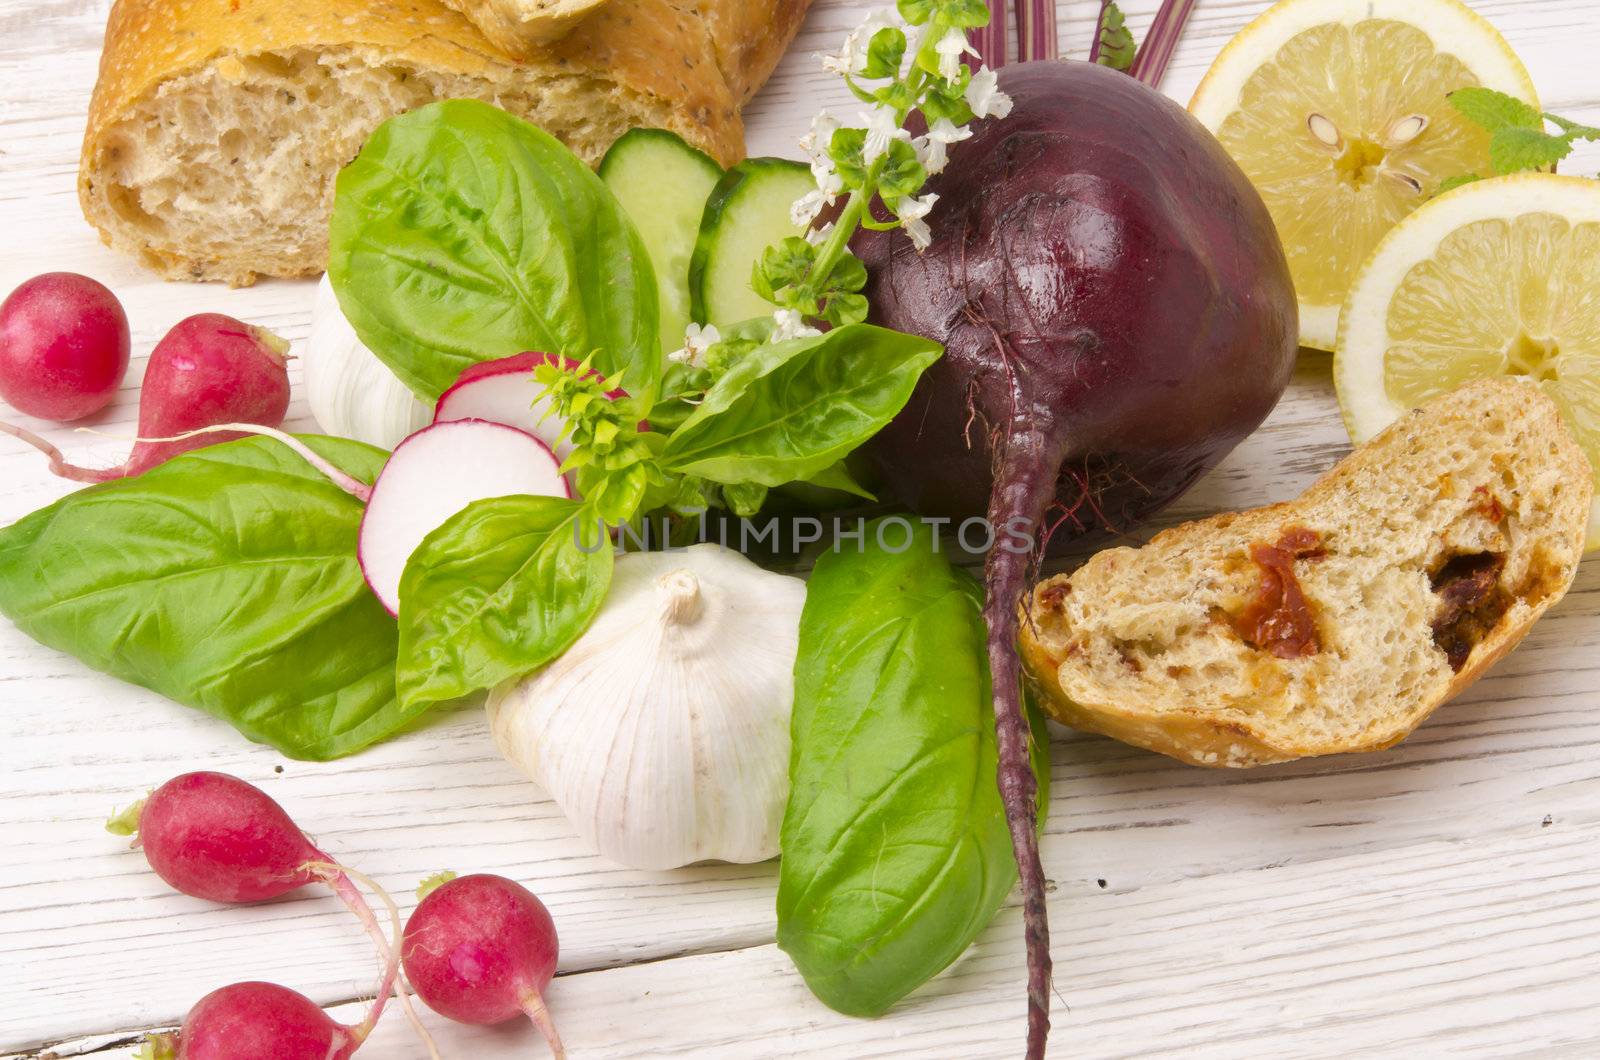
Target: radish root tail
{"x": 539, "y": 1013}
{"x": 59, "y": 466}
{"x": 1023, "y": 492}
{"x": 341, "y": 880}
{"x": 349, "y": 483}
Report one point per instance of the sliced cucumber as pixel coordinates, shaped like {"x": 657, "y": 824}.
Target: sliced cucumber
{"x": 662, "y": 184}
{"x": 747, "y": 213}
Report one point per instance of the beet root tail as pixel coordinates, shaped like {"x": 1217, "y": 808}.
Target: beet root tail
{"x": 1020, "y": 501}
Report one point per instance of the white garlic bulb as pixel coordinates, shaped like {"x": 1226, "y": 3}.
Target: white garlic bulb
{"x": 352, "y": 393}
{"x": 663, "y": 733}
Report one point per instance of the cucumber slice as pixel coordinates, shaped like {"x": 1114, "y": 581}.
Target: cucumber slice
{"x": 747, "y": 213}
{"x": 662, "y": 184}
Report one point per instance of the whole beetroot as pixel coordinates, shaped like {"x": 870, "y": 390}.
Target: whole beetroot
{"x": 1117, "y": 315}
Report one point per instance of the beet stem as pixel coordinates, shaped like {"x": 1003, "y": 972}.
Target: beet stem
{"x": 539, "y": 1013}
{"x": 1036, "y": 30}
{"x": 58, "y": 463}
{"x": 1024, "y": 488}
{"x": 340, "y": 879}
{"x": 990, "y": 40}
{"x": 1150, "y": 64}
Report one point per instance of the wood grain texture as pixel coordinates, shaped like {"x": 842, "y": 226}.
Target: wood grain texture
{"x": 1442, "y": 898}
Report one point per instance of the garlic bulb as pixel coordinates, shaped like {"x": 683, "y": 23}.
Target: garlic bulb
{"x": 352, "y": 393}
{"x": 663, "y": 733}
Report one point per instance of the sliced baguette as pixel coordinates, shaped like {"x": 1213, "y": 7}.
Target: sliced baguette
{"x": 517, "y": 27}
{"x": 1433, "y": 550}
{"x": 217, "y": 126}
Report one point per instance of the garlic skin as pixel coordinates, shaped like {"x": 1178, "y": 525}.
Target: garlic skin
{"x": 663, "y": 733}
{"x": 352, "y": 393}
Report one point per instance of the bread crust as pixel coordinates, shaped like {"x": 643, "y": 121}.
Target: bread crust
{"x": 1191, "y": 733}
{"x": 517, "y": 27}
{"x": 664, "y": 53}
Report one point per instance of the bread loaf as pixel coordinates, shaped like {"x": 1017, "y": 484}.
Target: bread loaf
{"x": 217, "y": 126}
{"x": 1336, "y": 622}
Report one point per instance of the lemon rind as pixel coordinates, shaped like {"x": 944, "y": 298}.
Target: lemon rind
{"x": 1358, "y": 361}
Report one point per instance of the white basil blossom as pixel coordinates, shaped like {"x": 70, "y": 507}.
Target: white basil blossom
{"x": 851, "y": 59}
{"x": 789, "y": 324}
{"x": 808, "y": 206}
{"x": 696, "y": 341}
{"x": 984, "y": 95}
{"x": 950, "y": 48}
{"x": 911, "y": 213}
{"x": 933, "y": 150}
{"x": 818, "y": 236}
{"x": 883, "y": 128}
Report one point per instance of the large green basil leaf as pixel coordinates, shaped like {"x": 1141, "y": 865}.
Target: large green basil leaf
{"x": 499, "y": 590}
{"x": 225, "y": 579}
{"x": 462, "y": 233}
{"x": 788, "y": 411}
{"x": 895, "y": 847}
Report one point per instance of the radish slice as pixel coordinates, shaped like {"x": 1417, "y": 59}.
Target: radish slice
{"x": 504, "y": 391}
{"x": 436, "y": 473}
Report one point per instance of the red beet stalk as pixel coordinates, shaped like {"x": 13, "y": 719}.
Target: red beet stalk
{"x": 990, "y": 40}
{"x": 1150, "y": 66}
{"x": 1036, "y": 30}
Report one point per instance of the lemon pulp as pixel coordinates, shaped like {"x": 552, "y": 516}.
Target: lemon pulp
{"x": 1517, "y": 296}
{"x": 1345, "y": 131}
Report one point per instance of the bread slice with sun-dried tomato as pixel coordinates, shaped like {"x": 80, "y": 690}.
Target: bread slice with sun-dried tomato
{"x": 1336, "y": 622}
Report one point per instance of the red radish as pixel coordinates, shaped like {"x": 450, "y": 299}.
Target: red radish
{"x": 63, "y": 346}
{"x": 216, "y": 837}
{"x": 259, "y": 1021}
{"x": 505, "y": 391}
{"x": 436, "y": 473}
{"x": 482, "y": 949}
{"x": 209, "y": 369}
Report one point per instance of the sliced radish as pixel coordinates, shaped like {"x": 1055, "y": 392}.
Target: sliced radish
{"x": 436, "y": 473}
{"x": 504, "y": 391}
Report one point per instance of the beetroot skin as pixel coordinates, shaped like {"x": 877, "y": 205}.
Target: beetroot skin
{"x": 1117, "y": 314}
{"x": 1112, "y": 297}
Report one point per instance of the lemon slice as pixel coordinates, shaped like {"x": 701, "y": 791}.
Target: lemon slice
{"x": 1499, "y": 278}
{"x": 1337, "y": 110}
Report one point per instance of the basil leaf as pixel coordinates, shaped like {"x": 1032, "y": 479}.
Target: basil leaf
{"x": 227, "y": 580}
{"x": 896, "y": 852}
{"x": 790, "y": 410}
{"x": 496, "y": 592}
{"x": 462, "y": 234}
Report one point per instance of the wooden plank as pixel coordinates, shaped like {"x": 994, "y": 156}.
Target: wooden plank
{"x": 1445, "y": 947}
{"x": 1342, "y": 879}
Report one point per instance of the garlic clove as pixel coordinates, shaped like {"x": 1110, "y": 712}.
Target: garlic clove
{"x": 663, "y": 733}
{"x": 351, "y": 392}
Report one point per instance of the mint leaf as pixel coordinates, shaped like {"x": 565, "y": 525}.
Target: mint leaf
{"x": 1573, "y": 129}
{"x": 1114, "y": 44}
{"x": 1495, "y": 111}
{"x": 1516, "y": 150}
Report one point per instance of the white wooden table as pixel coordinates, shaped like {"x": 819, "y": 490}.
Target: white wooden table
{"x": 1441, "y": 898}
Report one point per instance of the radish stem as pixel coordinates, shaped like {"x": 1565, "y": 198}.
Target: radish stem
{"x": 340, "y": 878}
{"x": 990, "y": 40}
{"x": 351, "y": 485}
{"x": 533, "y": 1004}
{"x": 1155, "y": 54}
